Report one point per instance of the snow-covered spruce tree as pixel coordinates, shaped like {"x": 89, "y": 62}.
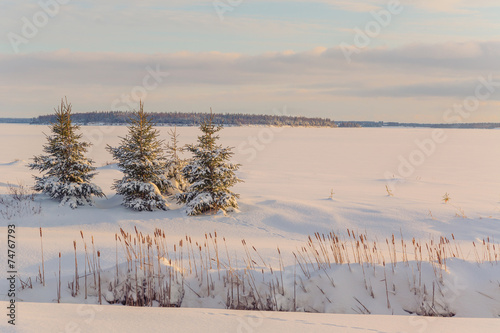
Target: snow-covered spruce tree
{"x": 141, "y": 158}
{"x": 209, "y": 174}
{"x": 176, "y": 181}
{"x": 67, "y": 173}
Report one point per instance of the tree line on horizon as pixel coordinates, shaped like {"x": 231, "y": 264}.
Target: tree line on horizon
{"x": 192, "y": 119}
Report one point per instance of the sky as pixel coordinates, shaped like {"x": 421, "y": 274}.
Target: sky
{"x": 381, "y": 60}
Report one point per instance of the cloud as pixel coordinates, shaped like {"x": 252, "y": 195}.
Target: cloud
{"x": 310, "y": 81}
{"x": 252, "y": 27}
{"x": 453, "y": 6}
{"x": 458, "y": 57}
{"x": 235, "y": 68}
{"x": 446, "y": 88}
{"x": 448, "y": 6}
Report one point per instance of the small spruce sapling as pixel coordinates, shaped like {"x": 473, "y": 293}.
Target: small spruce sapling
{"x": 176, "y": 181}
{"x": 66, "y": 171}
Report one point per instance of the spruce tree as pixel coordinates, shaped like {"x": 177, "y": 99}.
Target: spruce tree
{"x": 176, "y": 181}
{"x": 67, "y": 172}
{"x": 209, "y": 173}
{"x": 141, "y": 158}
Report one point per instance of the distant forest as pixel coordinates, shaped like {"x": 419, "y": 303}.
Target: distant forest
{"x": 192, "y": 119}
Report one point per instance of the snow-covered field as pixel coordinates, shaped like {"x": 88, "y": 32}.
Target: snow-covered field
{"x": 289, "y": 175}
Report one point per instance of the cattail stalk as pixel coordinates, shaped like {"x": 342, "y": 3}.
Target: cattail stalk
{"x": 43, "y": 264}
{"x": 77, "y": 284}
{"x": 59, "y": 284}
{"x": 99, "y": 275}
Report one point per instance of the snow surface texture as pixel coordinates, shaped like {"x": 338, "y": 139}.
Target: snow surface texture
{"x": 289, "y": 174}
{"x": 95, "y": 318}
